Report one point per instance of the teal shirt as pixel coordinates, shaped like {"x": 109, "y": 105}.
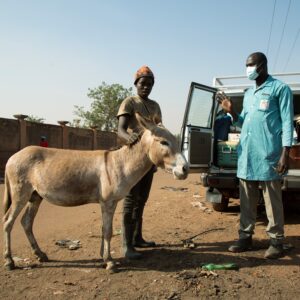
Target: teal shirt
{"x": 267, "y": 126}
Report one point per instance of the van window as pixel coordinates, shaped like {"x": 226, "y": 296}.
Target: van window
{"x": 200, "y": 110}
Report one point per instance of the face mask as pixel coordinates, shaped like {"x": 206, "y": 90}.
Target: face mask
{"x": 252, "y": 73}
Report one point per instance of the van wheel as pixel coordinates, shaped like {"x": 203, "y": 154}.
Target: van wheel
{"x": 221, "y": 206}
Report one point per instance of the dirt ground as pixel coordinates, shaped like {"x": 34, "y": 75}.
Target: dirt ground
{"x": 176, "y": 211}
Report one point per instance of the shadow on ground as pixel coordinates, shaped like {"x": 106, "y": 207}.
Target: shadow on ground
{"x": 176, "y": 258}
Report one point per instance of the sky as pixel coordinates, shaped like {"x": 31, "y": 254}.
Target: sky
{"x": 52, "y": 52}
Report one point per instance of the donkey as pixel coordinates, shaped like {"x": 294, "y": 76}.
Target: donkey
{"x": 74, "y": 177}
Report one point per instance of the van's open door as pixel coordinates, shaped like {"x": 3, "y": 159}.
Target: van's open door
{"x": 196, "y": 131}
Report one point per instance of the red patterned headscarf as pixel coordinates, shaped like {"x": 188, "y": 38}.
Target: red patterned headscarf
{"x": 143, "y": 71}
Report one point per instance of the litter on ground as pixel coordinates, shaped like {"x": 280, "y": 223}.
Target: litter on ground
{"x": 71, "y": 245}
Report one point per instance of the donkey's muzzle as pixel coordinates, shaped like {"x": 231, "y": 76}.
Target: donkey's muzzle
{"x": 181, "y": 170}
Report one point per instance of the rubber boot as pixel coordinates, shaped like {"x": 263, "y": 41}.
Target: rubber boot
{"x": 138, "y": 240}
{"x": 275, "y": 249}
{"x": 241, "y": 245}
{"x": 127, "y": 234}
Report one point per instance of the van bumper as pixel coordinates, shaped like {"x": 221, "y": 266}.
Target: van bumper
{"x": 222, "y": 181}
{"x": 229, "y": 181}
{"x": 291, "y": 183}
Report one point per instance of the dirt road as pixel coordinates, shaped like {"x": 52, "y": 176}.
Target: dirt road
{"x": 175, "y": 211}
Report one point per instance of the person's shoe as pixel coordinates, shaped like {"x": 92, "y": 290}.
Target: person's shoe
{"x": 241, "y": 245}
{"x": 141, "y": 243}
{"x": 275, "y": 249}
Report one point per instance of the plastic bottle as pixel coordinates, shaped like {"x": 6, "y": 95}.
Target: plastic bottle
{"x": 228, "y": 266}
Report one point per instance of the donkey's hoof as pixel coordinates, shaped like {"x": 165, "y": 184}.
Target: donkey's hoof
{"x": 10, "y": 266}
{"x": 42, "y": 257}
{"x": 110, "y": 266}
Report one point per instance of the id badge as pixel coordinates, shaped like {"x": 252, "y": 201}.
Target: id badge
{"x": 264, "y": 104}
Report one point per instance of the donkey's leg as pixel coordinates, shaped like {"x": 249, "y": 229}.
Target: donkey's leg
{"x": 18, "y": 202}
{"x": 27, "y": 223}
{"x": 108, "y": 210}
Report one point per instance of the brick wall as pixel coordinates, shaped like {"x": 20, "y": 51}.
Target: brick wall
{"x": 17, "y": 134}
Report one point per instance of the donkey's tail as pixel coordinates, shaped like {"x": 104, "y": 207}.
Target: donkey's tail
{"x": 7, "y": 195}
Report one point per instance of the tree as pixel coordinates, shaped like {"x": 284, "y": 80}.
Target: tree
{"x": 76, "y": 123}
{"x": 34, "y": 119}
{"x": 104, "y": 107}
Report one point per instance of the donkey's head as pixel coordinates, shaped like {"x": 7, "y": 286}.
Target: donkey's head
{"x": 163, "y": 149}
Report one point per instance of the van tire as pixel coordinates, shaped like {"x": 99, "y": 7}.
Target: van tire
{"x": 221, "y": 206}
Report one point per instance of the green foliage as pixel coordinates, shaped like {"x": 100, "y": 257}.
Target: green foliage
{"x": 35, "y": 119}
{"x": 76, "y": 123}
{"x": 104, "y": 107}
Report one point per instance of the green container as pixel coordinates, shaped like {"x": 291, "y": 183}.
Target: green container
{"x": 227, "y": 154}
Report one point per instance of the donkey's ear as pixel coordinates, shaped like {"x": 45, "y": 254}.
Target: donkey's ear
{"x": 145, "y": 122}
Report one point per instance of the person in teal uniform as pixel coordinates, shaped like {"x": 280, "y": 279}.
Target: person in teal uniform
{"x": 266, "y": 137}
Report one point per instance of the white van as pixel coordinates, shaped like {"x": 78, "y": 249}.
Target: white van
{"x": 209, "y": 142}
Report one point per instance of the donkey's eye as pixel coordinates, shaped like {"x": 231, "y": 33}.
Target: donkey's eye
{"x": 165, "y": 143}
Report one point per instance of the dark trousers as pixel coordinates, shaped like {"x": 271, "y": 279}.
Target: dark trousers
{"x": 134, "y": 202}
